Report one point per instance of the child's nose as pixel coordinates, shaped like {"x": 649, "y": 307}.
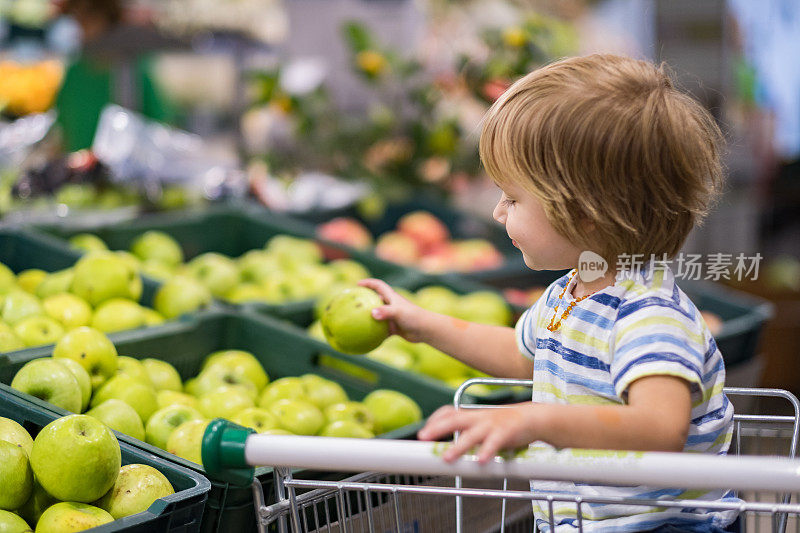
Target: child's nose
{"x": 499, "y": 213}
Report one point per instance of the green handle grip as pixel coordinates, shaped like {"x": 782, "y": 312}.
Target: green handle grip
{"x": 223, "y": 452}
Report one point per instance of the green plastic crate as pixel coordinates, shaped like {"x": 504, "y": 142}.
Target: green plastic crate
{"x": 283, "y": 351}
{"x": 181, "y": 512}
{"x": 228, "y": 230}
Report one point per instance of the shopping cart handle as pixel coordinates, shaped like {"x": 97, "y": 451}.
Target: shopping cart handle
{"x": 223, "y": 452}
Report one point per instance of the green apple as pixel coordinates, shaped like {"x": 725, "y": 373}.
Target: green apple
{"x": 225, "y": 402}
{"x": 152, "y": 317}
{"x": 218, "y": 273}
{"x": 118, "y": 314}
{"x": 87, "y": 242}
{"x": 279, "y": 288}
{"x": 135, "y": 490}
{"x": 298, "y": 416}
{"x": 92, "y": 349}
{"x": 55, "y": 283}
{"x": 100, "y": 276}
{"x": 131, "y": 260}
{"x": 76, "y": 458}
{"x": 216, "y": 377}
{"x": 170, "y": 397}
{"x": 16, "y": 476}
{"x": 162, "y": 375}
{"x": 11, "y": 431}
{"x": 310, "y": 281}
{"x": 246, "y": 292}
{"x": 157, "y": 246}
{"x": 437, "y": 299}
{"x": 138, "y": 395}
{"x": 256, "y": 418}
{"x": 190, "y": 386}
{"x": 29, "y": 279}
{"x": 40, "y": 500}
{"x": 19, "y": 304}
{"x": 187, "y": 439}
{"x": 346, "y": 429}
{"x": 315, "y": 331}
{"x": 71, "y": 516}
{"x": 8, "y": 280}
{"x": 181, "y": 295}
{"x": 322, "y": 392}
{"x": 9, "y": 342}
{"x": 38, "y": 330}
{"x": 484, "y": 307}
{"x": 81, "y": 376}
{"x": 348, "y": 271}
{"x": 239, "y": 363}
{"x": 293, "y": 251}
{"x": 392, "y": 356}
{"x": 326, "y": 297}
{"x": 391, "y": 410}
{"x": 12, "y": 523}
{"x": 50, "y": 381}
{"x": 156, "y": 270}
{"x": 72, "y": 312}
{"x": 257, "y": 265}
{"x": 166, "y": 420}
{"x": 134, "y": 368}
{"x": 119, "y": 416}
{"x": 290, "y": 388}
{"x": 352, "y": 411}
{"x": 437, "y": 364}
{"x": 348, "y": 323}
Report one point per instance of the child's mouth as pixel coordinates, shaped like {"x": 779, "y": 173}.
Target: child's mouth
{"x": 514, "y": 243}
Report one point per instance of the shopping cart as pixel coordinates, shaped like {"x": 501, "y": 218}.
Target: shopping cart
{"x": 404, "y": 486}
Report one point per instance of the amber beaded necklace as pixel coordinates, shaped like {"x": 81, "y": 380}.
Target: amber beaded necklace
{"x": 565, "y": 314}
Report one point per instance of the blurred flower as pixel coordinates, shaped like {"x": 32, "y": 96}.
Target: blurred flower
{"x": 371, "y": 62}
{"x": 515, "y": 37}
{"x": 494, "y": 88}
{"x": 303, "y": 76}
{"x": 435, "y": 169}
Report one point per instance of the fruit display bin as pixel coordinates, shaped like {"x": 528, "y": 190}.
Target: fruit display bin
{"x": 282, "y": 350}
{"x": 229, "y": 230}
{"x": 181, "y": 512}
{"x": 743, "y": 315}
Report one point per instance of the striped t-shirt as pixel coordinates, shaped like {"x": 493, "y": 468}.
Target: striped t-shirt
{"x": 642, "y": 325}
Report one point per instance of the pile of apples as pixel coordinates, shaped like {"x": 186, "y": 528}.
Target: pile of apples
{"x": 147, "y": 400}
{"x": 420, "y": 240}
{"x": 101, "y": 290}
{"x": 70, "y": 478}
{"x": 484, "y": 307}
{"x": 287, "y": 269}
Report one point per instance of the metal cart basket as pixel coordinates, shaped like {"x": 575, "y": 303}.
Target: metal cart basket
{"x": 404, "y": 486}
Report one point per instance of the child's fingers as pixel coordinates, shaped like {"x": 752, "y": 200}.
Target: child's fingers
{"x": 443, "y": 426}
{"x": 466, "y": 441}
{"x": 492, "y": 444}
{"x": 379, "y": 286}
{"x": 436, "y": 418}
{"x": 384, "y": 312}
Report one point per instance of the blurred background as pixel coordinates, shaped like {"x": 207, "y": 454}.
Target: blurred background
{"x": 323, "y": 108}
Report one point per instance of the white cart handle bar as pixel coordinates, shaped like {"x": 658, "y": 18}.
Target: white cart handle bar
{"x": 230, "y": 451}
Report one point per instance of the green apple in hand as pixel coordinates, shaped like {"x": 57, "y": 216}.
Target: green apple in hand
{"x": 16, "y": 476}
{"x": 100, "y": 276}
{"x": 298, "y": 416}
{"x": 241, "y": 364}
{"x": 72, "y": 312}
{"x": 12, "y": 523}
{"x": 119, "y": 416}
{"x": 118, "y": 314}
{"x": 76, "y": 458}
{"x": 135, "y": 490}
{"x": 256, "y": 418}
{"x": 133, "y": 368}
{"x": 71, "y": 516}
{"x": 291, "y": 388}
{"x": 55, "y": 283}
{"x": 171, "y": 397}
{"x": 138, "y": 395}
{"x": 87, "y": 242}
{"x": 186, "y": 441}
{"x": 162, "y": 375}
{"x": 346, "y": 429}
{"x": 19, "y": 304}
{"x": 348, "y": 324}
{"x": 225, "y": 402}
{"x": 50, "y": 381}
{"x": 92, "y": 349}
{"x": 352, "y": 411}
{"x": 181, "y": 295}
{"x": 81, "y": 376}
{"x": 166, "y": 420}
{"x": 218, "y": 273}
{"x": 391, "y": 410}
{"x": 11, "y": 431}
{"x": 38, "y": 330}
{"x": 157, "y": 246}
{"x": 322, "y": 392}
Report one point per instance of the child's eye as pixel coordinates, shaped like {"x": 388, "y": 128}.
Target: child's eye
{"x": 508, "y": 202}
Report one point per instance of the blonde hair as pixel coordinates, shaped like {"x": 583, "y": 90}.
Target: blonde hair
{"x": 608, "y": 143}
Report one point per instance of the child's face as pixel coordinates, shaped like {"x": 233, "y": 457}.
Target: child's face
{"x": 526, "y": 224}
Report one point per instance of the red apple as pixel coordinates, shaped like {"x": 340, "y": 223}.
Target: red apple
{"x": 426, "y": 229}
{"x": 347, "y": 231}
{"x": 440, "y": 259}
{"x": 397, "y": 248}
{"x": 476, "y": 254}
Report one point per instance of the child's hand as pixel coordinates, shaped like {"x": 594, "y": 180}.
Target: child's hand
{"x": 405, "y": 319}
{"x": 495, "y": 429}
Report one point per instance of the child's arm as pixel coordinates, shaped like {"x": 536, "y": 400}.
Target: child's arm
{"x": 656, "y": 418}
{"x": 490, "y": 349}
